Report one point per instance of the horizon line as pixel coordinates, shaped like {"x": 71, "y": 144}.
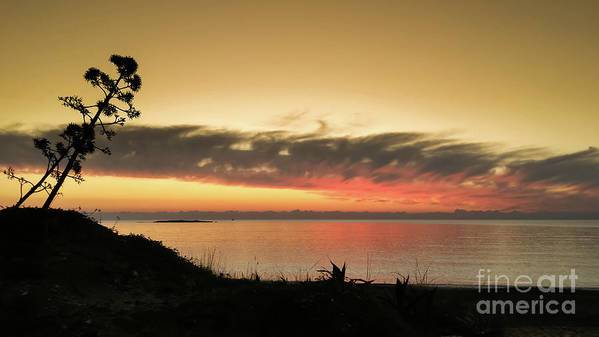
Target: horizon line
{"x": 458, "y": 214}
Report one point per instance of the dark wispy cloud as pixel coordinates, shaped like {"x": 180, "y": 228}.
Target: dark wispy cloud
{"x": 404, "y": 167}
{"x": 579, "y": 168}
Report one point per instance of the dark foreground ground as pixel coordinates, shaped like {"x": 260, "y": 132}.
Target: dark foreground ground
{"x": 62, "y": 274}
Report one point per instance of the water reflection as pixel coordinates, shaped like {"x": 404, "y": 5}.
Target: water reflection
{"x": 453, "y": 250}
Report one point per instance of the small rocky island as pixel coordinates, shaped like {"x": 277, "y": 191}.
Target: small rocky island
{"x": 181, "y": 221}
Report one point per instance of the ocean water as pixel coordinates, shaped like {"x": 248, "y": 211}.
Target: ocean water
{"x": 447, "y": 251}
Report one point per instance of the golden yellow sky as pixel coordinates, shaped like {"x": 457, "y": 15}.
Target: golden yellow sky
{"x": 521, "y": 73}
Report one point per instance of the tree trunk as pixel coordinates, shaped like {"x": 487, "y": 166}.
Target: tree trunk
{"x": 60, "y": 180}
{"x": 34, "y": 188}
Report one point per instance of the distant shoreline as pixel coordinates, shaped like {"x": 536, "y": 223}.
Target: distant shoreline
{"x": 339, "y": 215}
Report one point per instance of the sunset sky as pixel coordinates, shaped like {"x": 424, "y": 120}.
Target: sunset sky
{"x": 323, "y": 105}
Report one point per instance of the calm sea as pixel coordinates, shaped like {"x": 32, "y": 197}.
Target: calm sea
{"x": 452, "y": 251}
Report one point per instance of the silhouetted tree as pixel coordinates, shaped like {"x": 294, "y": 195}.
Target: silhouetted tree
{"x": 116, "y": 105}
{"x": 79, "y": 140}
